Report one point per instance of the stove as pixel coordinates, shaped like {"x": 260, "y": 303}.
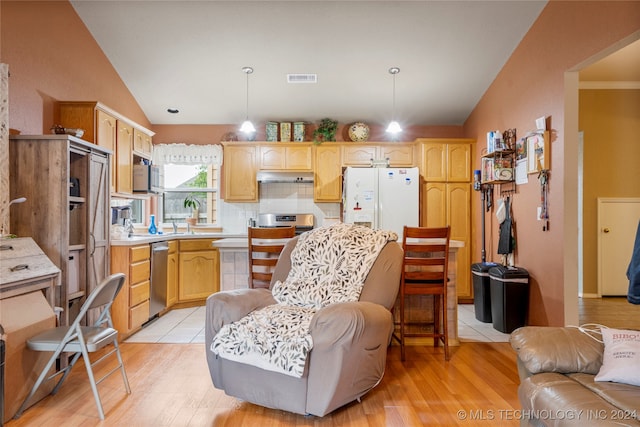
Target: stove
{"x": 302, "y": 222}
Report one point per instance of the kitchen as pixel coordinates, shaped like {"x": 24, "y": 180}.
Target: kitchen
{"x": 271, "y": 188}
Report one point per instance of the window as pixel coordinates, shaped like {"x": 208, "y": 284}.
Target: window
{"x": 188, "y": 170}
{"x": 199, "y": 181}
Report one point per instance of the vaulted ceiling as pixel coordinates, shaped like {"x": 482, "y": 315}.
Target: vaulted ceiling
{"x": 189, "y": 55}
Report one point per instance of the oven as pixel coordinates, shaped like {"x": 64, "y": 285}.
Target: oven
{"x": 301, "y": 222}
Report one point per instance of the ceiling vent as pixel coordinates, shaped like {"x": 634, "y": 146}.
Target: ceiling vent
{"x": 302, "y": 78}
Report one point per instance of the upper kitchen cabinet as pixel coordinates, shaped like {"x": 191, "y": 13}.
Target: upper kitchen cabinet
{"x": 66, "y": 183}
{"x": 398, "y": 154}
{"x": 105, "y": 127}
{"x": 446, "y": 160}
{"x": 124, "y": 158}
{"x": 327, "y": 183}
{"x": 142, "y": 145}
{"x": 240, "y": 182}
{"x": 293, "y": 157}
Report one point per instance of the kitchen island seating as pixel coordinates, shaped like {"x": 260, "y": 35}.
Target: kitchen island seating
{"x": 82, "y": 340}
{"x": 424, "y": 272}
{"x": 350, "y": 341}
{"x": 263, "y": 253}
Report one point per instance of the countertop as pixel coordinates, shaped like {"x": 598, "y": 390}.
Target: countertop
{"x": 137, "y": 239}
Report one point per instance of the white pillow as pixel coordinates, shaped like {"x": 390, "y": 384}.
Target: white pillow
{"x": 621, "y": 359}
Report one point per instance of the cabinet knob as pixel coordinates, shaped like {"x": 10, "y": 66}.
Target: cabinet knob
{"x": 606, "y": 230}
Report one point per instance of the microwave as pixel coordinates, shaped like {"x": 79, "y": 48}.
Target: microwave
{"x": 146, "y": 179}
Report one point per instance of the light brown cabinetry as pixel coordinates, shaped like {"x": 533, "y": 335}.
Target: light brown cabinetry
{"x": 398, "y": 154}
{"x": 240, "y": 183}
{"x": 199, "y": 274}
{"x": 172, "y": 274}
{"x": 327, "y": 185}
{"x": 124, "y": 157}
{"x": 446, "y": 198}
{"x": 131, "y": 307}
{"x": 296, "y": 157}
{"x": 142, "y": 145}
{"x": 73, "y": 231}
{"x": 111, "y": 130}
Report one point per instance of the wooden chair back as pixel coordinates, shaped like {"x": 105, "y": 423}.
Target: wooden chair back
{"x": 265, "y": 245}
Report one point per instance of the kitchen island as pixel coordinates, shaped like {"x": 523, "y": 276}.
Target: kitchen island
{"x": 234, "y": 275}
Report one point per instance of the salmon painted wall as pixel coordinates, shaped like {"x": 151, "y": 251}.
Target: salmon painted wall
{"x": 531, "y": 85}
{"x": 610, "y": 120}
{"x": 53, "y": 57}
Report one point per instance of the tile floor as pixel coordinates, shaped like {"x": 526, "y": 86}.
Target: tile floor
{"x": 186, "y": 325}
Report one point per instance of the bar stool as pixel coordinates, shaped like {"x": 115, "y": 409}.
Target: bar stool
{"x": 265, "y": 245}
{"x": 424, "y": 272}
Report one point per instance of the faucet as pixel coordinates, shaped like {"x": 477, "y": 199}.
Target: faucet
{"x": 175, "y": 227}
{"x": 188, "y": 228}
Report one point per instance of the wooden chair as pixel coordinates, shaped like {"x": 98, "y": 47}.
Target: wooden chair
{"x": 424, "y": 272}
{"x": 265, "y": 245}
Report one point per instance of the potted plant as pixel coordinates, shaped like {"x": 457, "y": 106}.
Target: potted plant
{"x": 191, "y": 201}
{"x": 326, "y": 131}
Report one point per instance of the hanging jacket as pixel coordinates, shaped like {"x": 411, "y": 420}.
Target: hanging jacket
{"x": 633, "y": 272}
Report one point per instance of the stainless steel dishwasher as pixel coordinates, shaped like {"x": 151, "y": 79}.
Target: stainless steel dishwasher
{"x": 158, "y": 300}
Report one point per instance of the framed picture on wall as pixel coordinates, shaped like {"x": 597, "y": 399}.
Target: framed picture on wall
{"x": 537, "y": 152}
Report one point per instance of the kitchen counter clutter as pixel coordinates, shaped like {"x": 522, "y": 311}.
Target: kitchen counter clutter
{"x": 137, "y": 239}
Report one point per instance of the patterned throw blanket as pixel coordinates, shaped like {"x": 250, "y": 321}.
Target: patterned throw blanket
{"x": 328, "y": 266}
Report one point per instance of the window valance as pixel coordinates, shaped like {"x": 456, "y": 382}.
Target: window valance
{"x": 183, "y": 154}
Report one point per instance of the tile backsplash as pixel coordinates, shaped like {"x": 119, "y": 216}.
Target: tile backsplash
{"x": 277, "y": 198}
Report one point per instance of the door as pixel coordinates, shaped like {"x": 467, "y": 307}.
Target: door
{"x": 399, "y": 194}
{"x": 617, "y": 224}
{"x": 99, "y": 184}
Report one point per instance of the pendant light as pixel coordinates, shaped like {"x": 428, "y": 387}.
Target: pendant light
{"x": 394, "y": 127}
{"x": 247, "y": 127}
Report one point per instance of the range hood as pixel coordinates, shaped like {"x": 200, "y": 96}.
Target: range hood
{"x": 284, "y": 176}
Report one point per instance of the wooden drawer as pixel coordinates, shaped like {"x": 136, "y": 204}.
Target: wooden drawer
{"x": 173, "y": 246}
{"x": 139, "y": 253}
{"x": 196, "y": 245}
{"x": 138, "y": 315}
{"x": 140, "y": 272}
{"x": 139, "y": 293}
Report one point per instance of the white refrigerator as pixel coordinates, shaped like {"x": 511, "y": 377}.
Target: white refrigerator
{"x": 381, "y": 198}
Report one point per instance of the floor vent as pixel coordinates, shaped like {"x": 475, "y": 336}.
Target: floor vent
{"x": 302, "y": 78}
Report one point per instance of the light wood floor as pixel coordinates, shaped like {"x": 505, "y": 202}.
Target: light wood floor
{"x": 614, "y": 312}
{"x": 171, "y": 386}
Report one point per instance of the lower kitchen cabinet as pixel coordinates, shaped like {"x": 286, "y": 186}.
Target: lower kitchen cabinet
{"x": 199, "y": 274}
{"x": 172, "y": 274}
{"x": 131, "y": 307}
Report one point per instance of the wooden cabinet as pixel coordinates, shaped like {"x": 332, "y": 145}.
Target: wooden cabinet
{"x": 446, "y": 198}
{"x": 398, "y": 154}
{"x": 327, "y": 185}
{"x": 72, "y": 230}
{"x": 106, "y": 136}
{"x": 296, "y": 157}
{"x": 446, "y": 160}
{"x": 142, "y": 145}
{"x": 172, "y": 274}
{"x": 131, "y": 307}
{"x": 124, "y": 158}
{"x": 108, "y": 129}
{"x": 240, "y": 183}
{"x": 199, "y": 274}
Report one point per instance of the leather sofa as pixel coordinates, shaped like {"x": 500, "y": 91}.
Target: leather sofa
{"x": 557, "y": 367}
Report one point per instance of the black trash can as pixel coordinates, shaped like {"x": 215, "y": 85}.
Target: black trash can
{"x": 481, "y": 293}
{"x": 509, "y": 297}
